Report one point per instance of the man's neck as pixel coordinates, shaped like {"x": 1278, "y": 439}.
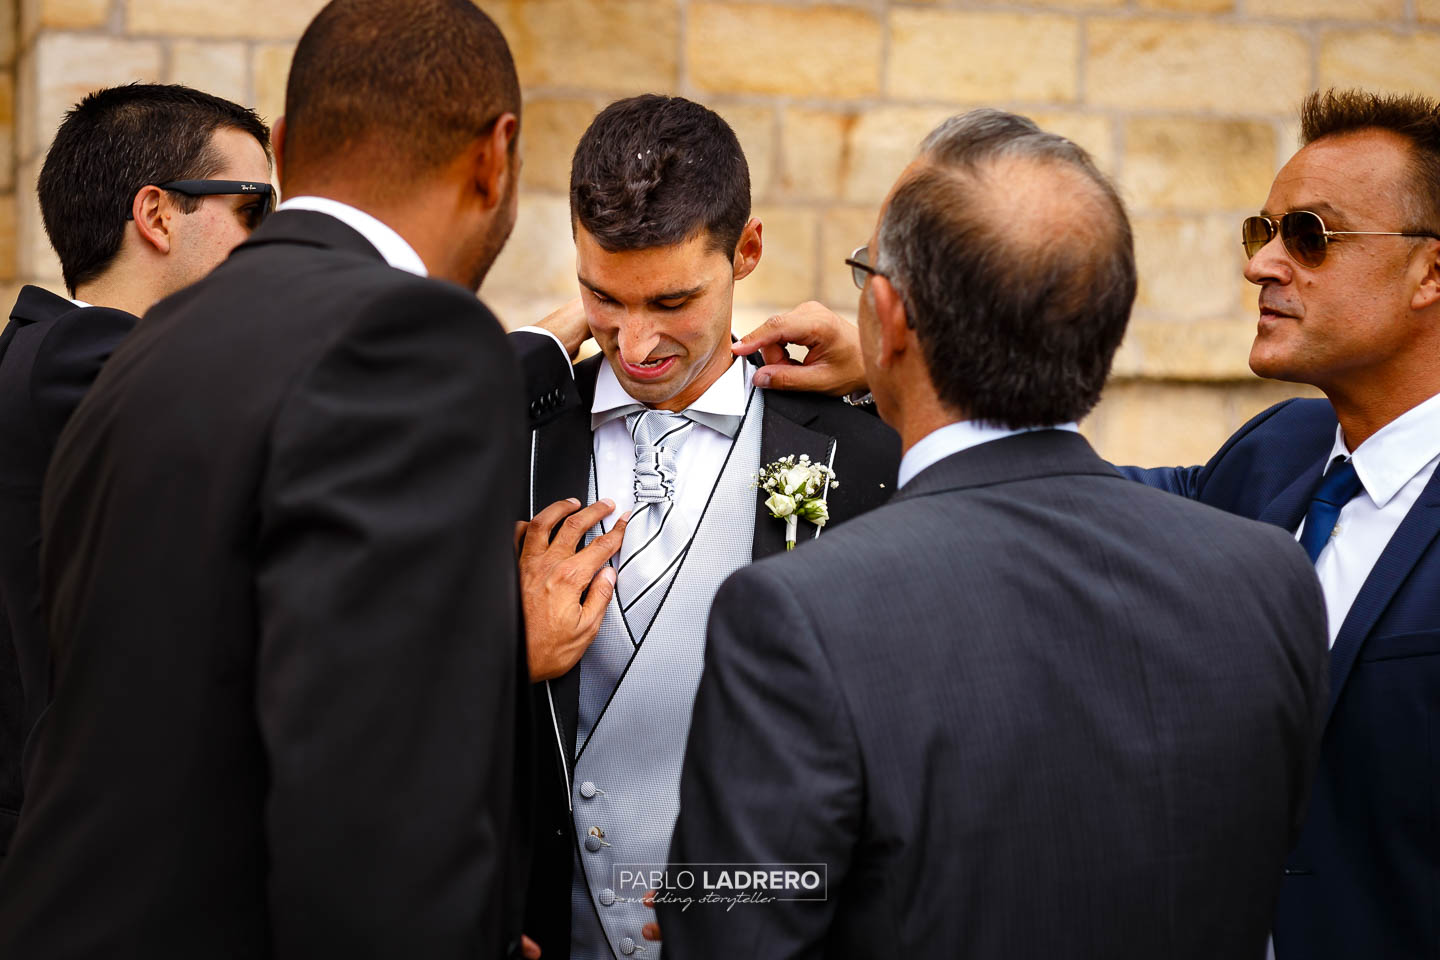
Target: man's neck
{"x": 410, "y": 216}
{"x": 1364, "y": 409}
{"x": 714, "y": 370}
{"x": 115, "y": 293}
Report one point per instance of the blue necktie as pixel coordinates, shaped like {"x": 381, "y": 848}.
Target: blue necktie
{"x": 1340, "y": 486}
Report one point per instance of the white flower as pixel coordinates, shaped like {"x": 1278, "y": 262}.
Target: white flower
{"x": 816, "y": 511}
{"x": 796, "y": 480}
{"x": 796, "y": 489}
{"x": 780, "y": 506}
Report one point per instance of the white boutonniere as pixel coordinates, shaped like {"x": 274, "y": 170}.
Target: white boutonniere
{"x": 797, "y": 489}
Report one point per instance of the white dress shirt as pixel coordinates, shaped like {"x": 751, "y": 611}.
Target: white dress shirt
{"x": 393, "y": 247}
{"x": 1394, "y": 465}
{"x": 954, "y": 437}
{"x": 699, "y": 461}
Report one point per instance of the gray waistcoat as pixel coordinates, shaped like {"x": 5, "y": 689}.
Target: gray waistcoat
{"x": 630, "y": 764}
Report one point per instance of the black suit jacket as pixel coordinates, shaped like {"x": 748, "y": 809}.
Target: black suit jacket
{"x": 49, "y": 355}
{"x": 866, "y": 463}
{"x": 1025, "y": 710}
{"x": 290, "y": 713}
{"x": 1364, "y": 880}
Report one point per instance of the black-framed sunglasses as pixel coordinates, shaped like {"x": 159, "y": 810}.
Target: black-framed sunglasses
{"x": 254, "y": 215}
{"x": 860, "y": 268}
{"x": 1304, "y": 235}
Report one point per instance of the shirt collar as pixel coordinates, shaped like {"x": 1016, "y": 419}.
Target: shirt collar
{"x": 393, "y": 247}
{"x": 721, "y": 407}
{"x": 80, "y": 303}
{"x": 1396, "y": 452}
{"x": 954, "y": 437}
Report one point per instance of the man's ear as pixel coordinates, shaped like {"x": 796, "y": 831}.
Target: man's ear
{"x": 277, "y": 148}
{"x": 151, "y": 210}
{"x": 492, "y": 164}
{"x": 747, "y": 251}
{"x": 1428, "y": 293}
{"x": 893, "y": 324}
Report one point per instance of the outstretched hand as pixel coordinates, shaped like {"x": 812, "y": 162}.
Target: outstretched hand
{"x": 833, "y": 365}
{"x": 561, "y": 617}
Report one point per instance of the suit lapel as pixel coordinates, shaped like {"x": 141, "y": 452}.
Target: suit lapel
{"x": 785, "y": 430}
{"x": 1412, "y": 537}
{"x": 560, "y": 468}
{"x": 1288, "y": 508}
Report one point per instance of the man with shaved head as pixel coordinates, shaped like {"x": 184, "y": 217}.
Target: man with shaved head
{"x": 291, "y": 710}
{"x": 1010, "y": 714}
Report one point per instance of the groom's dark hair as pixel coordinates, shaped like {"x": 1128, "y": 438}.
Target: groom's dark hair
{"x": 401, "y": 86}
{"x": 654, "y": 171}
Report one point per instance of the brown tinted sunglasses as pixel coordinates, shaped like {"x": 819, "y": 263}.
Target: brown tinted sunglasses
{"x": 1304, "y": 235}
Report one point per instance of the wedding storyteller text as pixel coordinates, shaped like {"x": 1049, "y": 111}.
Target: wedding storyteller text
{"x": 728, "y": 883}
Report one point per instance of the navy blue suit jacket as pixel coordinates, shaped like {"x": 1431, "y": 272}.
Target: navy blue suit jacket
{"x": 1364, "y": 880}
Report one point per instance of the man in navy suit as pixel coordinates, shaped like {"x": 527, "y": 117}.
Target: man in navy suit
{"x": 1355, "y": 311}
{"x": 1347, "y": 258}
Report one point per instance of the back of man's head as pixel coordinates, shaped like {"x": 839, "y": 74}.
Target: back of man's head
{"x": 113, "y": 143}
{"x": 388, "y": 91}
{"x": 1013, "y": 256}
{"x": 1416, "y": 118}
{"x": 655, "y": 171}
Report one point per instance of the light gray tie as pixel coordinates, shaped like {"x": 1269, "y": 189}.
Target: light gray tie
{"x": 656, "y": 537}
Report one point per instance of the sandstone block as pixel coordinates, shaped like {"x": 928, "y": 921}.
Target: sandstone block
{"x": 9, "y": 27}
{"x": 251, "y": 19}
{"x": 1190, "y": 6}
{"x": 618, "y": 46}
{"x": 539, "y": 260}
{"x": 1096, "y": 134}
{"x": 8, "y": 262}
{"x": 1159, "y": 424}
{"x": 1166, "y": 348}
{"x": 1428, "y": 10}
{"x": 7, "y": 134}
{"x": 786, "y": 274}
{"x": 1180, "y": 163}
{"x": 819, "y": 51}
{"x": 271, "y": 69}
{"x": 816, "y": 157}
{"x": 881, "y": 144}
{"x": 971, "y": 57}
{"x": 35, "y": 260}
{"x": 755, "y": 129}
{"x": 549, "y": 130}
{"x": 68, "y": 66}
{"x": 1369, "y": 10}
{"x": 1193, "y": 64}
{"x": 842, "y": 229}
{"x": 1378, "y": 60}
{"x": 1129, "y": 425}
{"x": 1190, "y": 267}
{"x": 217, "y": 68}
{"x": 73, "y": 14}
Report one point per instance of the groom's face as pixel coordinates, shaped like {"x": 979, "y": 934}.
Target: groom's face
{"x": 661, "y": 315}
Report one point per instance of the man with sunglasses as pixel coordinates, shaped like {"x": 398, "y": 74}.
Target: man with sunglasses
{"x": 145, "y": 188}
{"x": 1347, "y": 257}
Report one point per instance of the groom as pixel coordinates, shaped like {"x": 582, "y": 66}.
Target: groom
{"x": 672, "y": 430}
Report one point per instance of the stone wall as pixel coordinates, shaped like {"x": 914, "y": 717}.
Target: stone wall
{"x": 1188, "y": 103}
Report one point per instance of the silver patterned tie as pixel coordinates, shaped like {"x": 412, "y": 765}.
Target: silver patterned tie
{"x": 656, "y": 537}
